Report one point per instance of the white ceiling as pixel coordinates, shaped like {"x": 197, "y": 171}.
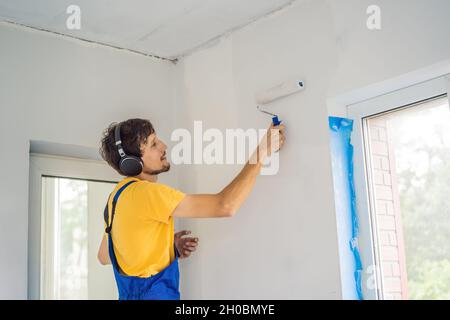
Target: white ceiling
{"x": 164, "y": 28}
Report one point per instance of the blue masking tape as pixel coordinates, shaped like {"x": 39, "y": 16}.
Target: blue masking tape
{"x": 348, "y": 224}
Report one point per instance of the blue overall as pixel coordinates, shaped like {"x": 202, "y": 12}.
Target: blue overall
{"x": 161, "y": 286}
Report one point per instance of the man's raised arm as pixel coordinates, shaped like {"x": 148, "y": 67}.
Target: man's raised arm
{"x": 228, "y": 201}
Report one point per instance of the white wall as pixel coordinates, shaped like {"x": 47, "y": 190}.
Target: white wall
{"x": 282, "y": 243}
{"x": 63, "y": 91}
{"x": 414, "y": 37}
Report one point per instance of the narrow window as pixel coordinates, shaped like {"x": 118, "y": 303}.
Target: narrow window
{"x": 408, "y": 170}
{"x": 72, "y": 224}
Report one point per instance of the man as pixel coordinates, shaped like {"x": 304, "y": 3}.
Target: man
{"x": 139, "y": 240}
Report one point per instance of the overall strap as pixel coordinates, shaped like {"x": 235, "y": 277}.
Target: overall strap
{"x": 106, "y": 213}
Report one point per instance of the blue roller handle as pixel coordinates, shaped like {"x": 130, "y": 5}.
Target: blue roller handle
{"x": 275, "y": 121}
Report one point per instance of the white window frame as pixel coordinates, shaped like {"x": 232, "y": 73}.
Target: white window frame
{"x": 398, "y": 99}
{"x": 56, "y": 166}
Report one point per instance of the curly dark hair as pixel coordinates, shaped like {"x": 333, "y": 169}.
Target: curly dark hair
{"x": 133, "y": 133}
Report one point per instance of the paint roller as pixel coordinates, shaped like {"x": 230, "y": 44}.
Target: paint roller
{"x": 282, "y": 90}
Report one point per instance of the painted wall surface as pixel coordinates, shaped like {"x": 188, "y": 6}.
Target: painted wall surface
{"x": 283, "y": 241}
{"x": 58, "y": 90}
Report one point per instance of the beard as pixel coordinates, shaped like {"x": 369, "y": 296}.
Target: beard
{"x": 156, "y": 172}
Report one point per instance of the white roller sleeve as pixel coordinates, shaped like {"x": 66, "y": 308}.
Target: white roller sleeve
{"x": 282, "y": 90}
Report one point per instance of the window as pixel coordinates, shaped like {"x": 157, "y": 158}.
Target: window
{"x": 402, "y": 150}
{"x": 71, "y": 214}
{"x": 67, "y": 198}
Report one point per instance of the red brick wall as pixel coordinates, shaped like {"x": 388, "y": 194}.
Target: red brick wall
{"x": 388, "y": 215}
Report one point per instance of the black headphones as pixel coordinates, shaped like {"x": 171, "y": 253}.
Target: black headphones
{"x": 129, "y": 165}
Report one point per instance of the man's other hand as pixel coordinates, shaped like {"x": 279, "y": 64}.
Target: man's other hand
{"x": 185, "y": 246}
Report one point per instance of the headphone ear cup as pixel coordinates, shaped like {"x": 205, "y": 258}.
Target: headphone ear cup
{"x": 131, "y": 165}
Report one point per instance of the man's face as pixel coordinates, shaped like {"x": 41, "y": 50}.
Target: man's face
{"x": 154, "y": 156}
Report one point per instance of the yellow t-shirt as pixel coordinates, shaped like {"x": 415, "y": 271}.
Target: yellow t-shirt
{"x": 143, "y": 229}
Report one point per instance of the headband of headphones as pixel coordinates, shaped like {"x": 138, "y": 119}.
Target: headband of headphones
{"x": 119, "y": 141}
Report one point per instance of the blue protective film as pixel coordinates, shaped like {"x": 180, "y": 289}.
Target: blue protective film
{"x": 345, "y": 201}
